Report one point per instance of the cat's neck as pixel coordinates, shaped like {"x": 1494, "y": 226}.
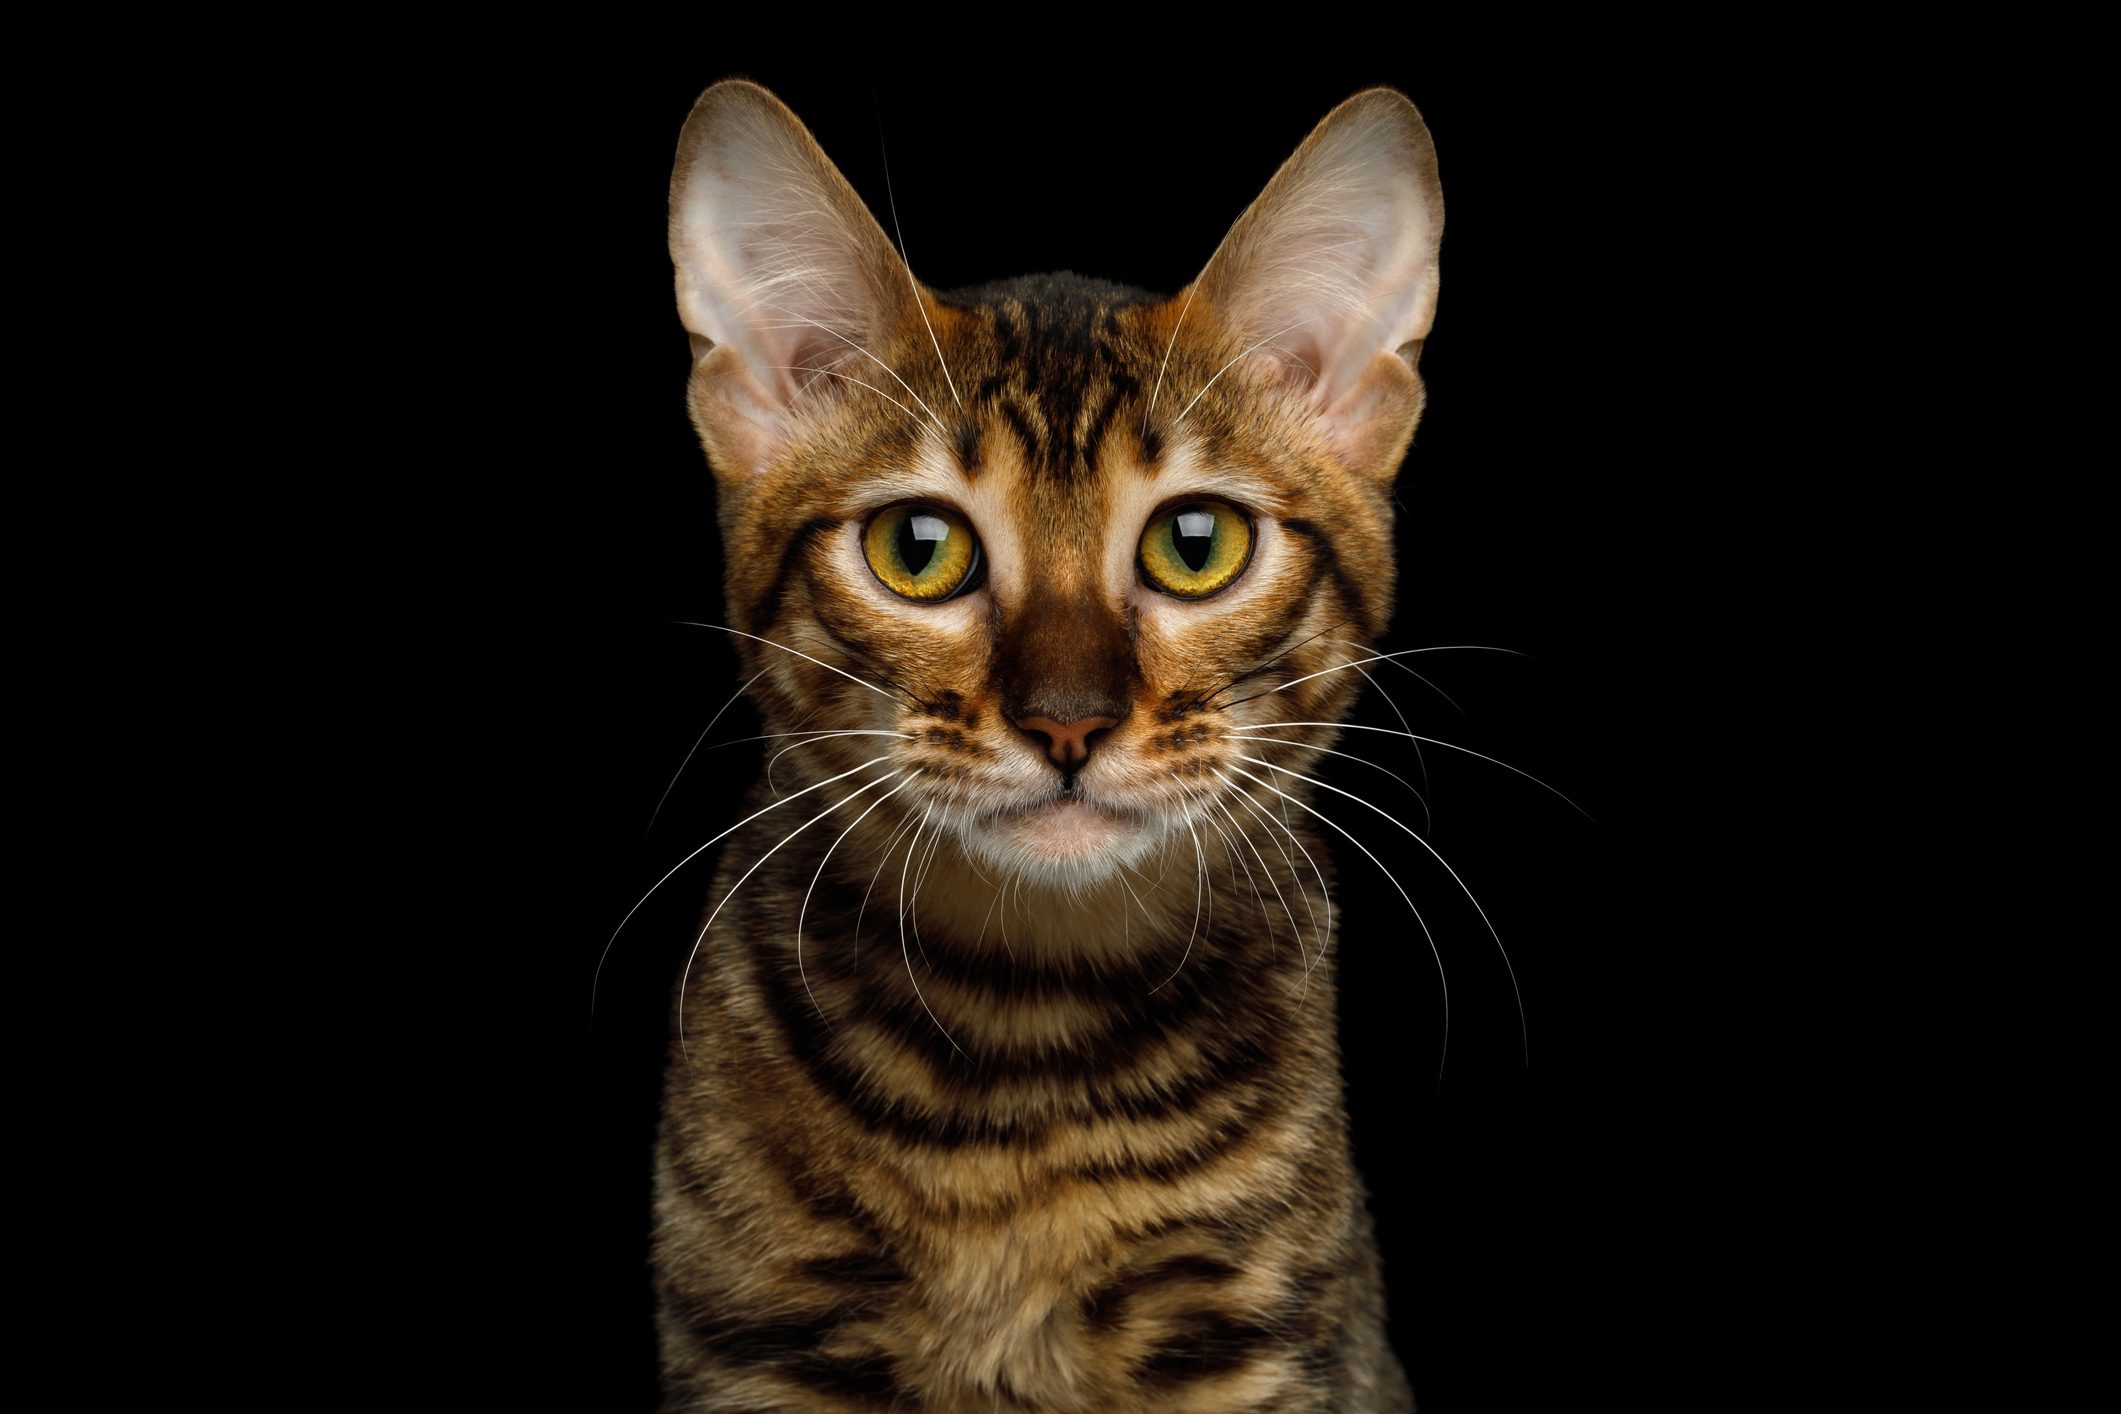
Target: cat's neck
{"x": 1004, "y": 969}
{"x": 1055, "y": 923}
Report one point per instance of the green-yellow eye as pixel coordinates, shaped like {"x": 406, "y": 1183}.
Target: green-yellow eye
{"x": 924, "y": 553}
{"x": 1195, "y": 548}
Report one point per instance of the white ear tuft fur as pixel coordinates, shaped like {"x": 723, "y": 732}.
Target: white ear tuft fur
{"x": 1335, "y": 263}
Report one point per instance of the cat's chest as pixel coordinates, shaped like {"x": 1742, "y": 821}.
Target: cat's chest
{"x": 1003, "y": 1305}
{"x": 1041, "y": 1307}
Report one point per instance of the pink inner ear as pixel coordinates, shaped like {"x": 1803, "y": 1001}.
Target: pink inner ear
{"x": 1335, "y": 263}
{"x": 814, "y": 350}
{"x": 777, "y": 259}
{"x": 1302, "y": 356}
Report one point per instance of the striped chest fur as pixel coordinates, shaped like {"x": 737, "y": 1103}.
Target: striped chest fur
{"x": 1006, "y": 1075}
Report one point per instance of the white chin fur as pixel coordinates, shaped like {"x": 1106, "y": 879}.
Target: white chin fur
{"x": 1069, "y": 844}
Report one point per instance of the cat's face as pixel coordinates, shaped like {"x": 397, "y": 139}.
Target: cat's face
{"x": 1041, "y": 549}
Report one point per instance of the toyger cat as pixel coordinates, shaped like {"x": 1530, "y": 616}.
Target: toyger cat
{"x": 1005, "y": 1074}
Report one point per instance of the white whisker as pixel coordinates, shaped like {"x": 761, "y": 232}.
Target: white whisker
{"x": 1176, "y": 325}
{"x": 907, "y": 955}
{"x": 778, "y": 309}
{"x": 1361, "y": 662}
{"x": 1428, "y": 821}
{"x": 1200, "y": 875}
{"x": 1121, "y": 875}
{"x": 1294, "y": 881}
{"x": 686, "y": 976}
{"x": 693, "y": 623}
{"x": 1234, "y": 362}
{"x": 1409, "y": 671}
{"x": 1442, "y": 979}
{"x": 1327, "y": 750}
{"x": 908, "y": 264}
{"x": 1356, "y": 727}
{"x": 835, "y": 373}
{"x": 821, "y": 731}
{"x": 1016, "y": 877}
{"x": 914, "y": 901}
{"x": 1230, "y": 846}
{"x": 884, "y": 859}
{"x": 986, "y": 917}
{"x": 804, "y": 911}
{"x": 1294, "y": 931}
{"x": 1316, "y": 872}
{"x": 598, "y": 977}
{"x": 665, "y": 796}
{"x": 1523, "y": 1030}
{"x": 814, "y": 739}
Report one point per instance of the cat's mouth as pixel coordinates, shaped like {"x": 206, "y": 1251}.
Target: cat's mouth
{"x": 1061, "y": 806}
{"x": 1064, "y": 827}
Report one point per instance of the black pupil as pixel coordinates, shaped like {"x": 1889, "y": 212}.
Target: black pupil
{"x": 919, "y": 537}
{"x": 1193, "y": 536}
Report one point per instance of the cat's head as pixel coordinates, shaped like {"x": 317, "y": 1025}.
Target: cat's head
{"x": 1045, "y": 546}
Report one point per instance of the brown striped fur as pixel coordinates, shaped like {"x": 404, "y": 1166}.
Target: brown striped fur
{"x": 1032, "y": 1116}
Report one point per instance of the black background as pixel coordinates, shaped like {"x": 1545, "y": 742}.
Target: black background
{"x": 1575, "y": 494}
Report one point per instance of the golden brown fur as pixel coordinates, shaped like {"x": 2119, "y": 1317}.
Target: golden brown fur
{"x": 969, "y": 1111}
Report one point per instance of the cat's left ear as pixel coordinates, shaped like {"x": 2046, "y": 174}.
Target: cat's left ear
{"x": 1329, "y": 278}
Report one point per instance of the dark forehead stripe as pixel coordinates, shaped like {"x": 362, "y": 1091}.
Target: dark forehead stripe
{"x": 1060, "y": 369}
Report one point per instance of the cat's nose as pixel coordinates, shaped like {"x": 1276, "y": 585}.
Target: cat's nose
{"x": 1067, "y": 743}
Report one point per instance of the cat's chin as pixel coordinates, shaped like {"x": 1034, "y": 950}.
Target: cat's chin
{"x": 1066, "y": 840}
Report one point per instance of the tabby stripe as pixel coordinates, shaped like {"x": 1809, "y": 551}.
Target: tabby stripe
{"x": 1021, "y": 426}
{"x": 789, "y": 1348}
{"x": 1220, "y": 960}
{"x": 824, "y": 1197}
{"x": 1152, "y": 445}
{"x": 1322, "y": 546}
{"x": 855, "y": 1269}
{"x": 1249, "y": 1122}
{"x": 858, "y": 1093}
{"x": 1011, "y": 338}
{"x": 1232, "y": 1051}
{"x": 1123, "y": 389}
{"x": 769, "y": 604}
{"x": 1102, "y": 1308}
{"x": 1213, "y": 1343}
{"x": 864, "y": 654}
{"x": 1234, "y": 973}
{"x": 1248, "y": 1018}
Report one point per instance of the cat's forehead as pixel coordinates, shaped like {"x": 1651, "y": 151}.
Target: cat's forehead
{"x": 1045, "y": 365}
{"x": 1035, "y": 400}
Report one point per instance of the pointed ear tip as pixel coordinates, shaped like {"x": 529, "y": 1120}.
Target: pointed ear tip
{"x": 1389, "y": 107}
{"x": 729, "y": 93}
{"x": 1380, "y": 94}
{"x": 730, "y": 113}
{"x": 730, "y": 101}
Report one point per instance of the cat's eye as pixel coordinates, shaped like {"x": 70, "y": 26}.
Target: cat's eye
{"x": 924, "y": 553}
{"x": 1195, "y": 548}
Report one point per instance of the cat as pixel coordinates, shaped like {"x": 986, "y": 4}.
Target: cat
{"x": 1005, "y": 1073}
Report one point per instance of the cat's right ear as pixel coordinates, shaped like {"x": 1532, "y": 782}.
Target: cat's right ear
{"x": 782, "y": 272}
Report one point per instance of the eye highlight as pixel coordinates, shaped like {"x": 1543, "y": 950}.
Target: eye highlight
{"x": 1195, "y": 548}
{"x": 924, "y": 553}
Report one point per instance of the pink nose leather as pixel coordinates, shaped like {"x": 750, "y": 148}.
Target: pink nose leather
{"x": 1067, "y": 743}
